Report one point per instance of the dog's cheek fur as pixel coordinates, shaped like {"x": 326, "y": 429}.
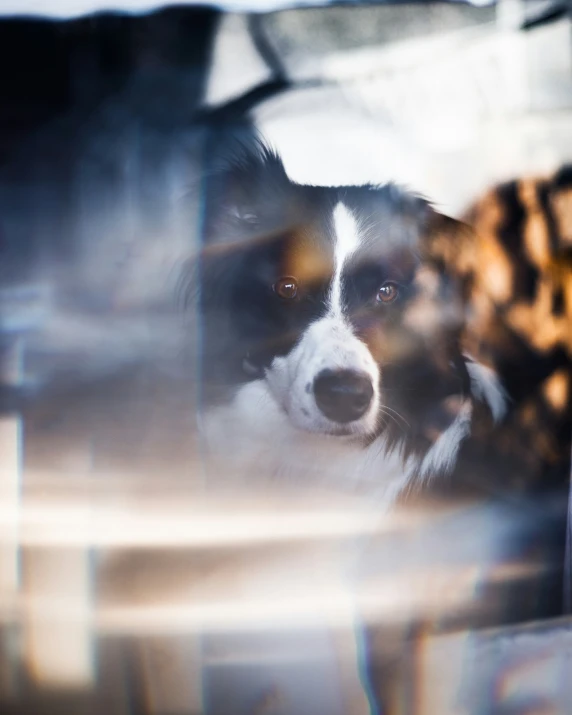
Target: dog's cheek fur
{"x": 221, "y": 344}
{"x": 419, "y": 351}
{"x": 240, "y": 318}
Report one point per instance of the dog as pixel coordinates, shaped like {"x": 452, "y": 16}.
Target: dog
{"x": 331, "y": 336}
{"x": 334, "y": 324}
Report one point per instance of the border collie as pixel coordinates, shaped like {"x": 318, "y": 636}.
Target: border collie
{"x": 332, "y": 324}
{"x": 331, "y": 332}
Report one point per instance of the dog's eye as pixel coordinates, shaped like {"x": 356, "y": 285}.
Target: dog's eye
{"x": 387, "y": 293}
{"x": 286, "y": 288}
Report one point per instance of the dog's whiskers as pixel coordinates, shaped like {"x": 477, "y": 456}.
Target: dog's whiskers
{"x": 386, "y": 415}
{"x": 387, "y": 412}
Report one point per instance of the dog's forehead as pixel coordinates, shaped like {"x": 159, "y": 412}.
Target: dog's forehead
{"x": 374, "y": 234}
{"x": 321, "y": 235}
{"x": 389, "y": 219}
{"x": 358, "y": 223}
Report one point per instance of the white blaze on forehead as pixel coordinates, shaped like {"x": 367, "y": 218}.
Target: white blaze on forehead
{"x": 347, "y": 240}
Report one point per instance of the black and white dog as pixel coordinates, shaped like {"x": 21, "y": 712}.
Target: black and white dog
{"x": 330, "y": 332}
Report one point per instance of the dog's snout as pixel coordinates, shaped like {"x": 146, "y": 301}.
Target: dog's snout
{"x": 343, "y": 395}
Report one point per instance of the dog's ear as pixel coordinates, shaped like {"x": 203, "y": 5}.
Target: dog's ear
{"x": 452, "y": 244}
{"x": 455, "y": 246}
{"x": 242, "y": 188}
{"x": 243, "y": 184}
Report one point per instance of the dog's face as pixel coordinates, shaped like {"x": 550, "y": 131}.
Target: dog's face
{"x": 332, "y": 298}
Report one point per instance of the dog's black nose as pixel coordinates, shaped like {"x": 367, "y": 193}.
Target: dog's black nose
{"x": 343, "y": 395}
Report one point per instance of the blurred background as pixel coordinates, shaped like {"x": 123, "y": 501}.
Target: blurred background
{"x": 127, "y": 583}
